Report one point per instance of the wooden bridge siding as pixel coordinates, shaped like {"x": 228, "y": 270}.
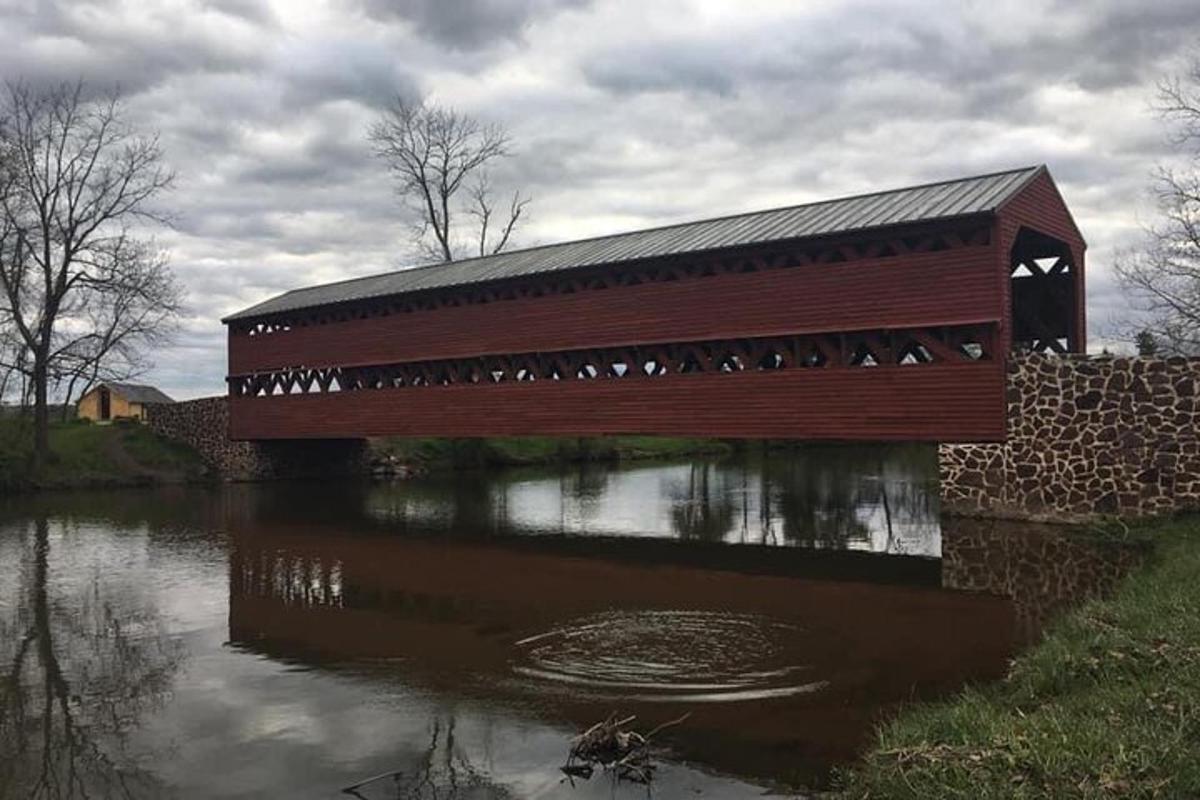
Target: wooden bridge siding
{"x": 950, "y": 402}
{"x": 915, "y": 290}
{"x": 1040, "y": 207}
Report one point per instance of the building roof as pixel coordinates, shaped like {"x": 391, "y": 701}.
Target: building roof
{"x": 981, "y": 194}
{"x": 137, "y": 392}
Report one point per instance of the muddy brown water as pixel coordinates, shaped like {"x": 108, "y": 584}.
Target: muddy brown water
{"x": 448, "y": 635}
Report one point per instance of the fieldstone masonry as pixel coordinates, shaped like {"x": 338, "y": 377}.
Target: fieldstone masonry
{"x": 1087, "y": 436}
{"x": 204, "y": 425}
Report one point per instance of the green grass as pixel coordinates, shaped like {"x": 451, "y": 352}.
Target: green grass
{"x": 466, "y": 453}
{"x": 1108, "y": 705}
{"x": 82, "y": 454}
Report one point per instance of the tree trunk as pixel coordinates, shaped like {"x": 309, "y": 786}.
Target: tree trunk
{"x": 41, "y": 412}
{"x": 66, "y": 403}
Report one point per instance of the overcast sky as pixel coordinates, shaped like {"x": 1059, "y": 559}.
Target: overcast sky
{"x": 625, "y": 114}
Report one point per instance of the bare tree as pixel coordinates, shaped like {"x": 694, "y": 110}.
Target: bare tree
{"x": 75, "y": 179}
{"x": 440, "y": 159}
{"x": 1164, "y": 275}
{"x": 112, "y": 335}
{"x": 12, "y": 373}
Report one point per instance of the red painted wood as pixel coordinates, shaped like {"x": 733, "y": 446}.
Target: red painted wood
{"x": 1040, "y": 207}
{"x": 951, "y": 402}
{"x": 947, "y": 287}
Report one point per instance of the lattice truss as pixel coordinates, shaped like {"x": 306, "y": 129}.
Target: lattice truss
{"x": 833, "y": 350}
{"x": 1043, "y": 294}
{"x": 658, "y": 271}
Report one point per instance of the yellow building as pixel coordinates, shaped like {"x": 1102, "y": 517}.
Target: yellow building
{"x": 118, "y": 401}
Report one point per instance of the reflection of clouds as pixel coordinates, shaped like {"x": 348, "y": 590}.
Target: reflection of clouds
{"x": 87, "y": 659}
{"x": 309, "y": 733}
{"x": 290, "y": 720}
{"x": 877, "y": 499}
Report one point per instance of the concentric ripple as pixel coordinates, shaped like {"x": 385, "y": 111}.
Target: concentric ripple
{"x": 694, "y": 656}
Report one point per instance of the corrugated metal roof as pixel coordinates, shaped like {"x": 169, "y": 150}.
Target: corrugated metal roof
{"x": 934, "y": 201}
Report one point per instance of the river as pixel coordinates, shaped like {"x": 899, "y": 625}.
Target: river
{"x": 446, "y": 636}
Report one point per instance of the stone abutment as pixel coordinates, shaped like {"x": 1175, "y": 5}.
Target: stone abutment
{"x": 1087, "y": 436}
{"x": 203, "y": 424}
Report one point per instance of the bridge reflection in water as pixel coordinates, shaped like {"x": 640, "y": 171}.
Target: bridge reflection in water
{"x": 785, "y": 655}
{"x": 574, "y": 637}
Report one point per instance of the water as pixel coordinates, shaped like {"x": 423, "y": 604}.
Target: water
{"x": 445, "y": 637}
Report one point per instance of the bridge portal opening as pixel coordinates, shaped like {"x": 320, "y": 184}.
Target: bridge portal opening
{"x": 1043, "y": 274}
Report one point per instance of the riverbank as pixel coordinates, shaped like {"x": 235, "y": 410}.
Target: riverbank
{"x": 95, "y": 456}
{"x": 445, "y": 454}
{"x": 1108, "y": 705}
{"x": 127, "y": 454}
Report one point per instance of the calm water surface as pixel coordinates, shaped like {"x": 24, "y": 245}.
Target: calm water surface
{"x": 451, "y": 634}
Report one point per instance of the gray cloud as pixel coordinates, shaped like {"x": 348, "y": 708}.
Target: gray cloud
{"x": 467, "y": 24}
{"x": 115, "y": 42}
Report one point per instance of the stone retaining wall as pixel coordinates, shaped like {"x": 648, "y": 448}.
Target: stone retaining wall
{"x": 204, "y": 425}
{"x": 1086, "y": 436}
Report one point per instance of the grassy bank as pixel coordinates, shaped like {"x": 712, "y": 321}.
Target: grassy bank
{"x": 438, "y": 454}
{"x": 1107, "y": 706}
{"x": 85, "y": 455}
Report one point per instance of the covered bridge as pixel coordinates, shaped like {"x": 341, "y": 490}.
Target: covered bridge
{"x": 886, "y": 316}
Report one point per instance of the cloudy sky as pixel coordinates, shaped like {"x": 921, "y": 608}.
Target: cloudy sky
{"x": 624, "y": 114}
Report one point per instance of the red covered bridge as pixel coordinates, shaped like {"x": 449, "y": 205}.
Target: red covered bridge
{"x": 886, "y": 316}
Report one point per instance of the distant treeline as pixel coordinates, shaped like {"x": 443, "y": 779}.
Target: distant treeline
{"x": 10, "y": 410}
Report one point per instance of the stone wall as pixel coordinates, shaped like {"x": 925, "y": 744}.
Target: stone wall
{"x": 204, "y": 425}
{"x": 1087, "y": 436}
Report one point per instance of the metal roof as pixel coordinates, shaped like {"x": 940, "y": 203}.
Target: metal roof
{"x": 137, "y": 392}
{"x": 980, "y": 194}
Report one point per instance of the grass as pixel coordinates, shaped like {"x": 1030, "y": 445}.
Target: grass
{"x": 86, "y": 455}
{"x": 1107, "y": 706}
{"x": 516, "y": 451}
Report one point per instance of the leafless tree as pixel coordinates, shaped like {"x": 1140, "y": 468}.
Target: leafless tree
{"x": 12, "y": 364}
{"x": 440, "y": 159}
{"x": 75, "y": 181}
{"x": 1163, "y": 276}
{"x": 110, "y": 337}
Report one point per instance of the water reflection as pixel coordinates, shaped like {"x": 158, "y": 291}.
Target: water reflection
{"x": 82, "y": 668}
{"x": 443, "y": 771}
{"x": 1041, "y": 569}
{"x": 769, "y": 663}
{"x": 300, "y": 639}
{"x": 877, "y": 500}
{"x": 670, "y": 656}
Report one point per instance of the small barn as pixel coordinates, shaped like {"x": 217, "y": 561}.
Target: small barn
{"x": 109, "y": 400}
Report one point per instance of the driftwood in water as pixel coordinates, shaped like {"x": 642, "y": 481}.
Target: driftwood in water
{"x": 610, "y": 744}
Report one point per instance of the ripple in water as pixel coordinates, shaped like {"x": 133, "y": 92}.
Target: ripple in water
{"x": 668, "y": 656}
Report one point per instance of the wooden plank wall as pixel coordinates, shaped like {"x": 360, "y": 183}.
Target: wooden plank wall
{"x": 944, "y": 288}
{"x": 951, "y": 402}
